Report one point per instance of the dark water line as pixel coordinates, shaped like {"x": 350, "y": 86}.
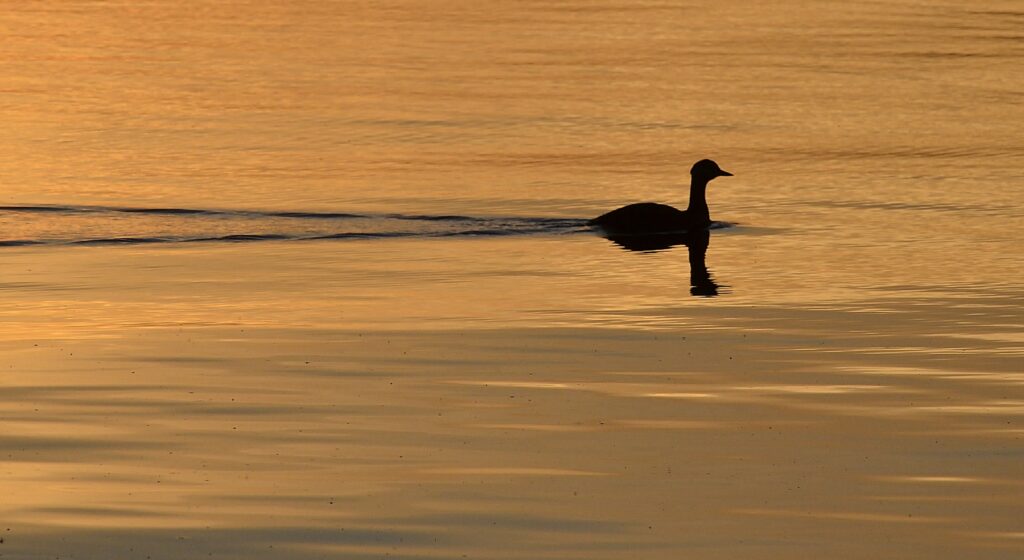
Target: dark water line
{"x": 21, "y": 242}
{"x": 65, "y": 209}
{"x": 427, "y": 218}
{"x": 373, "y": 226}
{"x": 308, "y": 215}
{"x": 70, "y": 209}
{"x": 172, "y": 211}
{"x": 362, "y": 235}
{"x": 243, "y": 238}
{"x": 118, "y": 241}
{"x": 204, "y": 212}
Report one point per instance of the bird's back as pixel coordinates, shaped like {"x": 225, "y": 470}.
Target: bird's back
{"x": 646, "y": 217}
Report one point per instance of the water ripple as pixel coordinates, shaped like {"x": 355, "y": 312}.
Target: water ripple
{"x": 111, "y": 225}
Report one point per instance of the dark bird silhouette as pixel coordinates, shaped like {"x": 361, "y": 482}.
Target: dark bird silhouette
{"x": 701, "y": 282}
{"x": 648, "y": 217}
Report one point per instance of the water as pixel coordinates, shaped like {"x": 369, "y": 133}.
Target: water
{"x": 95, "y": 225}
{"x": 313, "y": 281}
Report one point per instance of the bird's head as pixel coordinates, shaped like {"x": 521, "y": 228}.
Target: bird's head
{"x": 707, "y": 170}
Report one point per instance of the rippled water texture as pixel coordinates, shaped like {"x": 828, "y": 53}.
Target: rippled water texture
{"x": 313, "y": 280}
{"x": 96, "y": 225}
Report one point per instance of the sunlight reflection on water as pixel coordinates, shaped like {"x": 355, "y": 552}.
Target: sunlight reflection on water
{"x": 463, "y": 369}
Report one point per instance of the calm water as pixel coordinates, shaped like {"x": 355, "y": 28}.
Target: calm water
{"x": 312, "y": 280}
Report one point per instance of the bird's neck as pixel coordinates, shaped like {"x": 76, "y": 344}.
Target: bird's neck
{"x": 698, "y": 203}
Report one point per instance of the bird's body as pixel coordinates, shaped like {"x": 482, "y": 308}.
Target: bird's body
{"x": 647, "y": 218}
{"x": 650, "y": 217}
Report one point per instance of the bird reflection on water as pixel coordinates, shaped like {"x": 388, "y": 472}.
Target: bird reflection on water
{"x": 701, "y": 282}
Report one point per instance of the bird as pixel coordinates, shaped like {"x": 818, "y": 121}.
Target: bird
{"x": 646, "y": 218}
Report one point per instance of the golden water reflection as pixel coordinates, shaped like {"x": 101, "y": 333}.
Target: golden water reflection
{"x": 244, "y": 422}
{"x": 852, "y": 391}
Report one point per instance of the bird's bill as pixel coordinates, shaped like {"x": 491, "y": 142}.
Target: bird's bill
{"x": 724, "y": 173}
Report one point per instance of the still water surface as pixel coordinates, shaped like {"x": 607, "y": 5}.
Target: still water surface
{"x": 312, "y": 280}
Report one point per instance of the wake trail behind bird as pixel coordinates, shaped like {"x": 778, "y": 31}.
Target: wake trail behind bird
{"x": 27, "y": 225}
